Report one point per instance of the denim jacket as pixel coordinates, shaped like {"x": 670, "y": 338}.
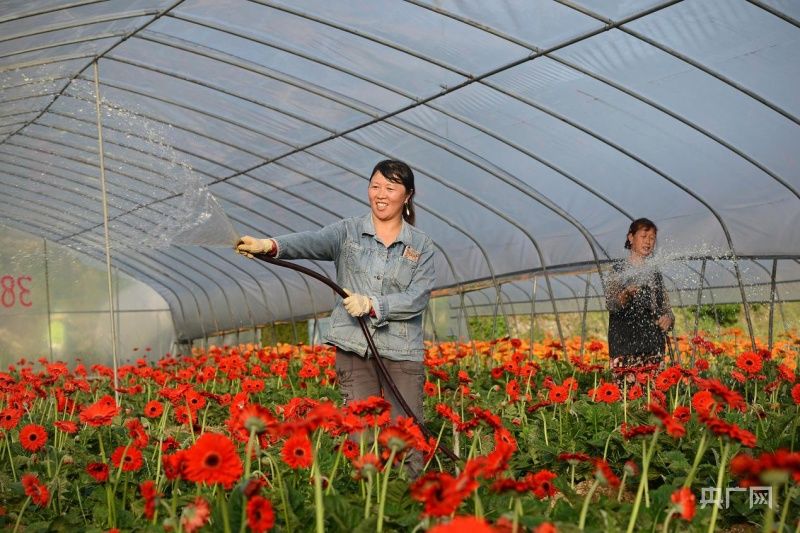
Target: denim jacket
{"x": 398, "y": 280}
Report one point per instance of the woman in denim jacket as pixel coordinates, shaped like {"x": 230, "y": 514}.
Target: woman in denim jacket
{"x": 387, "y": 265}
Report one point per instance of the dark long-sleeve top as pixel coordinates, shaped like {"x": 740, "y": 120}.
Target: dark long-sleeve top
{"x": 632, "y": 327}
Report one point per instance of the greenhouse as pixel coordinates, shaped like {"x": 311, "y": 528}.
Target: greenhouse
{"x": 141, "y": 139}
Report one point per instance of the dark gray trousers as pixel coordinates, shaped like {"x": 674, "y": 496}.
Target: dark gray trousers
{"x": 358, "y": 379}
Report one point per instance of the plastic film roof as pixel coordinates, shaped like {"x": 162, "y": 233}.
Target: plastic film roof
{"x": 537, "y": 131}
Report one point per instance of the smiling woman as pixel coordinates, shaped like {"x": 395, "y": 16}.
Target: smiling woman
{"x": 388, "y": 265}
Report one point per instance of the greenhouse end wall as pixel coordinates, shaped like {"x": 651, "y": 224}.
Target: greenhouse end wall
{"x": 54, "y": 304}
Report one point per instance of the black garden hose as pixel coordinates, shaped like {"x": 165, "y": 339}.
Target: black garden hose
{"x": 383, "y": 373}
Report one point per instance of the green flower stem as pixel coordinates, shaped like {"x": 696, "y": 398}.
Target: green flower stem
{"x": 720, "y": 478}
{"x": 785, "y": 512}
{"x": 622, "y": 485}
{"x": 80, "y": 504}
{"x": 247, "y": 460}
{"x": 769, "y": 519}
{"x": 11, "y": 458}
{"x": 701, "y": 449}
{"x": 438, "y": 439}
{"x": 334, "y": 469}
{"x": 319, "y": 506}
{"x": 647, "y": 483}
{"x": 21, "y": 512}
{"x": 670, "y": 514}
{"x": 544, "y": 421}
{"x": 223, "y": 506}
{"x": 276, "y": 474}
{"x": 794, "y": 426}
{"x": 642, "y": 482}
{"x": 384, "y": 488}
{"x": 368, "y": 501}
{"x": 585, "y": 507}
{"x": 517, "y": 514}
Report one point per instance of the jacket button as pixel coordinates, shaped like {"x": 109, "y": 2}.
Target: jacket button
{"x": 378, "y": 278}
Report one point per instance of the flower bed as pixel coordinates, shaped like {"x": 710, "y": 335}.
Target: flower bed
{"x": 246, "y": 437}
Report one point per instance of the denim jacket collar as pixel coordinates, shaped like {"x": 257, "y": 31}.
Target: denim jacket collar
{"x": 368, "y": 228}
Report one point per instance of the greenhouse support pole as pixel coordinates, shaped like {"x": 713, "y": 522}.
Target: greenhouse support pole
{"x": 47, "y": 295}
{"x": 101, "y": 162}
{"x": 697, "y": 308}
{"x": 744, "y": 302}
{"x": 583, "y": 315}
{"x": 772, "y": 292}
{"x": 533, "y": 311}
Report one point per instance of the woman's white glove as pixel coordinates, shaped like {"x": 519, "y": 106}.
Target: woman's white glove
{"x": 247, "y": 246}
{"x": 357, "y": 304}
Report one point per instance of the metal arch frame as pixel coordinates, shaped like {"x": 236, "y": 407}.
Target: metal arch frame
{"x": 669, "y": 51}
{"x": 26, "y": 97}
{"x": 95, "y": 58}
{"x": 169, "y": 102}
{"x": 84, "y": 22}
{"x": 687, "y": 123}
{"x": 23, "y": 15}
{"x": 773, "y": 11}
{"x": 556, "y": 210}
{"x": 172, "y": 257}
{"x": 87, "y": 39}
{"x": 685, "y": 59}
{"x": 305, "y": 86}
{"x": 137, "y": 179}
{"x": 48, "y": 61}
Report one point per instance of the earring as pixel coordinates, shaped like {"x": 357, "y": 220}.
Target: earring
{"x": 408, "y": 211}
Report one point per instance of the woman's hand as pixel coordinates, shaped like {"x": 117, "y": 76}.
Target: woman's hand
{"x": 357, "y": 304}
{"x": 247, "y": 246}
{"x": 627, "y": 293}
{"x": 664, "y": 322}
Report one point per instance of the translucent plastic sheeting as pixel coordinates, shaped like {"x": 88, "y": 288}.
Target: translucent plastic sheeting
{"x": 54, "y": 304}
{"x": 537, "y": 131}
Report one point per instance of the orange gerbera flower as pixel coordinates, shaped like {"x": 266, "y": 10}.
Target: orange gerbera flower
{"x": 33, "y": 437}
{"x": 99, "y": 471}
{"x": 195, "y": 515}
{"x": 213, "y": 459}
{"x": 296, "y": 451}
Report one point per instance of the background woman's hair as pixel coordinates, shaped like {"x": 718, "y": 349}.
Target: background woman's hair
{"x": 399, "y": 172}
{"x": 636, "y": 225}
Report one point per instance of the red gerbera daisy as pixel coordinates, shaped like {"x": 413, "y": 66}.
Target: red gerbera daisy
{"x": 99, "y": 471}
{"x": 460, "y": 524}
{"x": 213, "y": 459}
{"x": 749, "y": 362}
{"x": 153, "y": 409}
{"x": 36, "y": 490}
{"x": 796, "y": 394}
{"x": 684, "y": 500}
{"x": 606, "y": 392}
{"x": 33, "y": 437}
{"x": 130, "y": 457}
{"x": 195, "y": 515}
{"x": 558, "y": 393}
{"x": 101, "y": 412}
{"x": 260, "y": 516}
{"x": 9, "y": 418}
{"x": 149, "y": 495}
{"x": 67, "y": 426}
{"x": 296, "y": 451}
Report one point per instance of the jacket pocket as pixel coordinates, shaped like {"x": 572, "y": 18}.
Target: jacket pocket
{"x": 402, "y": 273}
